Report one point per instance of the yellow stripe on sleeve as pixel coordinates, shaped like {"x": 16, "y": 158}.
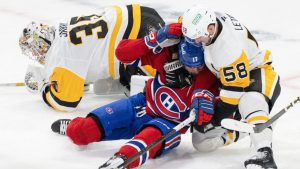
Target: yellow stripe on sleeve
{"x": 136, "y": 12}
{"x": 112, "y": 42}
{"x": 267, "y": 56}
{"x": 149, "y": 70}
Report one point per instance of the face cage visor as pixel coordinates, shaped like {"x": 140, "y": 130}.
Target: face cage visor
{"x": 35, "y": 49}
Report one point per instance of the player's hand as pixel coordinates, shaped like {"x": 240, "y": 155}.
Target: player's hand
{"x": 166, "y": 36}
{"x": 35, "y": 79}
{"x": 169, "y": 35}
{"x": 151, "y": 42}
{"x": 203, "y": 102}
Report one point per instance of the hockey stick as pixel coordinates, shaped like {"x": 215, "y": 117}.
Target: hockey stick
{"x": 11, "y": 84}
{"x": 236, "y": 125}
{"x": 162, "y": 138}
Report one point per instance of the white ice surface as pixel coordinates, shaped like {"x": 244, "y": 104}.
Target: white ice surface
{"x": 27, "y": 142}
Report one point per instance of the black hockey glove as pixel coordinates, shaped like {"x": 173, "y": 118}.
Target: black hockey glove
{"x": 176, "y": 75}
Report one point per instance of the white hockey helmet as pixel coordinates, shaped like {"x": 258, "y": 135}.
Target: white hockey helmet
{"x": 195, "y": 22}
{"x": 35, "y": 40}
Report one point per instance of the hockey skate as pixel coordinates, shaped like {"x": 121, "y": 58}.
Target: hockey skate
{"x": 114, "y": 162}
{"x": 60, "y": 126}
{"x": 262, "y": 160}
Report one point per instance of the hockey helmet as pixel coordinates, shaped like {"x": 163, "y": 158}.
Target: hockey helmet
{"x": 195, "y": 22}
{"x": 36, "y": 40}
{"x": 190, "y": 55}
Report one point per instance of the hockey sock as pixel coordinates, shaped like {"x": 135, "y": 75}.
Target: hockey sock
{"x": 255, "y": 110}
{"x": 83, "y": 131}
{"x": 147, "y": 136}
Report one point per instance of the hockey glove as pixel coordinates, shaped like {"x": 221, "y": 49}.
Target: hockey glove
{"x": 150, "y": 41}
{"x": 35, "y": 79}
{"x": 166, "y": 36}
{"x": 176, "y": 75}
{"x": 203, "y": 102}
{"x": 169, "y": 35}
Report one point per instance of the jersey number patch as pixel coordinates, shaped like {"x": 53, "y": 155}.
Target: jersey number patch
{"x": 232, "y": 72}
{"x": 89, "y": 25}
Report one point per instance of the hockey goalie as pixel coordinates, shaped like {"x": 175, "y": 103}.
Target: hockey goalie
{"x": 82, "y": 51}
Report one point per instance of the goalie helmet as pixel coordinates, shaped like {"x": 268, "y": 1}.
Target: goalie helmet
{"x": 36, "y": 40}
{"x": 195, "y": 22}
{"x": 190, "y": 55}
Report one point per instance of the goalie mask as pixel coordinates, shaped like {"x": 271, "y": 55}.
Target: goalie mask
{"x": 36, "y": 40}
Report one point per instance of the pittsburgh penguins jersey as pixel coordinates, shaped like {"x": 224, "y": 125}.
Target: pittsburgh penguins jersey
{"x": 83, "y": 51}
{"x": 231, "y": 57}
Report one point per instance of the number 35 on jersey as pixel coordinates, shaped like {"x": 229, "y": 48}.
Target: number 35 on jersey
{"x": 89, "y": 25}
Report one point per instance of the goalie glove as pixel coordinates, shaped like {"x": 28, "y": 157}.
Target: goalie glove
{"x": 35, "y": 79}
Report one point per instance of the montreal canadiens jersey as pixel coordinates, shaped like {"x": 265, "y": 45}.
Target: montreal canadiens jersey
{"x": 169, "y": 103}
{"x": 174, "y": 103}
{"x": 83, "y": 51}
{"x": 231, "y": 57}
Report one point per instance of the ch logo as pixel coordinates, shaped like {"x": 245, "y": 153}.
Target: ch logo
{"x": 169, "y": 103}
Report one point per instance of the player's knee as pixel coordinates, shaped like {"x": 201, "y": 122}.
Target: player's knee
{"x": 253, "y": 106}
{"x": 205, "y": 144}
{"x": 208, "y": 145}
{"x": 83, "y": 131}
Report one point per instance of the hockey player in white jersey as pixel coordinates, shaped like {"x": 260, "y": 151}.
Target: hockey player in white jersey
{"x": 249, "y": 82}
{"x": 82, "y": 50}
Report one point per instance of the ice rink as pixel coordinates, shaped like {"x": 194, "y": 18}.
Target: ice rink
{"x": 27, "y": 142}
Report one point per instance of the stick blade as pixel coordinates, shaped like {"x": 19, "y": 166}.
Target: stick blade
{"x": 232, "y": 124}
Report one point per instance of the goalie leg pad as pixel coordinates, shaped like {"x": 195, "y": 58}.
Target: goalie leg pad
{"x": 122, "y": 118}
{"x": 255, "y": 110}
{"x": 83, "y": 131}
